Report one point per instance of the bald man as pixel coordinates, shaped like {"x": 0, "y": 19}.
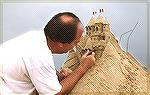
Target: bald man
{"x": 28, "y": 63}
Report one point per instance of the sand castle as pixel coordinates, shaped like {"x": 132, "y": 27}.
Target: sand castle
{"x": 115, "y": 72}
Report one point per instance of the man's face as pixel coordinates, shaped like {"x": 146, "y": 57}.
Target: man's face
{"x": 66, "y": 46}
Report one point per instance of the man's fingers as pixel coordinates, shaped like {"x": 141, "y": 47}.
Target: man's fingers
{"x": 93, "y": 54}
{"x": 65, "y": 71}
{"x": 89, "y": 53}
{"x": 68, "y": 70}
{"x": 86, "y": 53}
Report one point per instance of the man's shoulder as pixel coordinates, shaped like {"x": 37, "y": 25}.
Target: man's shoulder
{"x": 29, "y": 41}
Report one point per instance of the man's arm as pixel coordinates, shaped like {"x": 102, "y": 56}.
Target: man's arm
{"x": 70, "y": 81}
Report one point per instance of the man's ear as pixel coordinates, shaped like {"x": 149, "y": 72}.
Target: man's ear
{"x": 47, "y": 38}
{"x": 60, "y": 44}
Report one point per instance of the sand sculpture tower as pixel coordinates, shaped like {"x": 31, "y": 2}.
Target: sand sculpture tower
{"x": 115, "y": 72}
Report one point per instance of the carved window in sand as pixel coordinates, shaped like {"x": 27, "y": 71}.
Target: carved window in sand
{"x": 96, "y": 28}
{"x": 92, "y": 28}
{"x": 88, "y": 28}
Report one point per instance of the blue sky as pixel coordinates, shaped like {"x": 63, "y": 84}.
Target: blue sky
{"x": 19, "y": 18}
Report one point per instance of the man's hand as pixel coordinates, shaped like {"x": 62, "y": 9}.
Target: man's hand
{"x": 71, "y": 80}
{"x": 63, "y": 73}
{"x": 87, "y": 60}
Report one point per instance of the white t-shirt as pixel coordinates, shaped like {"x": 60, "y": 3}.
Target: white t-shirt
{"x": 27, "y": 64}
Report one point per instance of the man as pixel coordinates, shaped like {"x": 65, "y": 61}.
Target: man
{"x": 27, "y": 60}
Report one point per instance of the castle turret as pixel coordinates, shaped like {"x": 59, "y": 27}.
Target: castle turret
{"x": 99, "y": 19}
{"x": 106, "y": 26}
{"x": 89, "y": 26}
{"x": 91, "y": 22}
{"x": 99, "y": 24}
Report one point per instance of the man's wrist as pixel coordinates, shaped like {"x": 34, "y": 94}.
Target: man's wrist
{"x": 82, "y": 68}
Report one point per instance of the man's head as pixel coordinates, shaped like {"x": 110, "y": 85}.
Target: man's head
{"x": 64, "y": 30}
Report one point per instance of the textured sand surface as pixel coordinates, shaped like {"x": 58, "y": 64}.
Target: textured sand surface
{"x": 115, "y": 72}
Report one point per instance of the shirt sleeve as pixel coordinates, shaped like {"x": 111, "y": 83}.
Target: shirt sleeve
{"x": 42, "y": 73}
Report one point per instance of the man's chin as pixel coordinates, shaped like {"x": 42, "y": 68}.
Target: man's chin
{"x": 65, "y": 52}
{"x": 61, "y": 52}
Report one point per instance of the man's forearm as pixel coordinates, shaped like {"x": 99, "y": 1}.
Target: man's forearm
{"x": 70, "y": 81}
